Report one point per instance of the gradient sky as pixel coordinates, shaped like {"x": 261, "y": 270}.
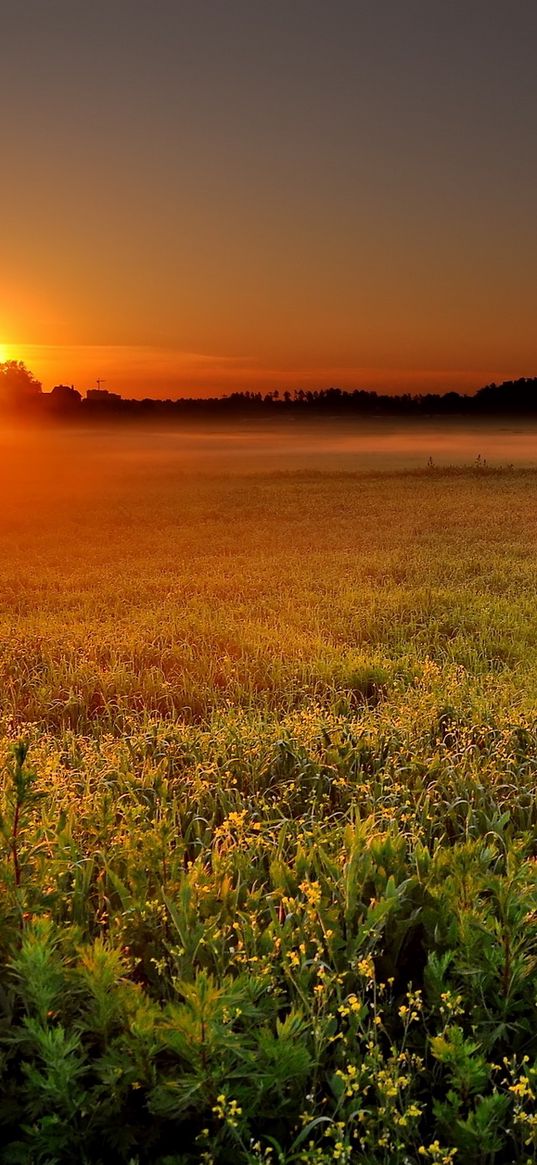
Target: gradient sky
{"x": 209, "y": 196}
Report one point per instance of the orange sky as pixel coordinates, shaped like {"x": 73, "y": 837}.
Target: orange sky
{"x": 157, "y": 372}
{"x": 205, "y": 198}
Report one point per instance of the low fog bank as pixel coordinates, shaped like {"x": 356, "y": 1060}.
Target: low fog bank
{"x": 69, "y": 462}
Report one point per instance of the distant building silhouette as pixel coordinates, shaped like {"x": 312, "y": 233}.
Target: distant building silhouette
{"x": 65, "y": 398}
{"x": 21, "y": 395}
{"x": 102, "y": 396}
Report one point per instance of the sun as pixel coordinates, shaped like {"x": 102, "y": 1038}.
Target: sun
{"x": 7, "y": 352}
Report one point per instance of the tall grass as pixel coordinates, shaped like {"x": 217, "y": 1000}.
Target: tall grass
{"x": 268, "y": 821}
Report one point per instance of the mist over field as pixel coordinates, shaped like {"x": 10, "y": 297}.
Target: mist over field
{"x": 70, "y": 463}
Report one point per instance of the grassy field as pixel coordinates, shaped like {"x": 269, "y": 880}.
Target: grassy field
{"x": 269, "y": 828}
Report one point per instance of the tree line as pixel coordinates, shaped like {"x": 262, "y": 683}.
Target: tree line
{"x": 21, "y": 395}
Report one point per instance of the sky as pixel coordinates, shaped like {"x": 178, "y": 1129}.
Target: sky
{"x": 201, "y": 197}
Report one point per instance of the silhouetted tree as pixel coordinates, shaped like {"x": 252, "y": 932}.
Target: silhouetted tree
{"x": 19, "y": 389}
{"x": 20, "y": 394}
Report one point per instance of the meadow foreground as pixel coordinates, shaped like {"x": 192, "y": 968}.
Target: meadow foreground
{"x": 269, "y": 826}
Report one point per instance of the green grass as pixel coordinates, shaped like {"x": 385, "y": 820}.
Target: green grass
{"x": 270, "y": 890}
